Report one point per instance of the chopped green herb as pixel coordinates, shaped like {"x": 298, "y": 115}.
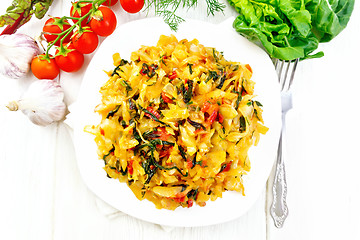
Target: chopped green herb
{"x": 136, "y": 135}
{"x": 222, "y": 80}
{"x": 150, "y": 165}
{"x": 187, "y": 92}
{"x": 234, "y": 67}
{"x": 150, "y": 169}
{"x": 193, "y": 194}
{"x": 190, "y": 68}
{"x": 212, "y": 75}
{"x": 182, "y": 153}
{"x": 127, "y": 86}
{"x": 196, "y": 125}
{"x": 152, "y": 115}
{"x": 122, "y": 63}
{"x": 242, "y": 124}
{"x": 112, "y": 112}
{"x": 132, "y": 105}
{"x": 169, "y": 168}
{"x": 123, "y": 123}
{"x": 258, "y": 103}
{"x": 149, "y": 70}
{"x": 256, "y": 114}
{"x": 150, "y": 134}
{"x": 238, "y": 100}
{"x": 119, "y": 169}
{"x": 162, "y": 59}
{"x": 108, "y": 154}
{"x": 214, "y": 55}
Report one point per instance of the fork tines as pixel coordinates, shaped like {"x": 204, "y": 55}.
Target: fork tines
{"x": 283, "y": 69}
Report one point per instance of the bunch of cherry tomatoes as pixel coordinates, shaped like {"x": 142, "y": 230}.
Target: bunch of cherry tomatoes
{"x": 90, "y": 19}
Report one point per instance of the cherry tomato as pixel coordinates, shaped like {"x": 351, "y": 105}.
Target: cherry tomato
{"x": 103, "y": 23}
{"x": 85, "y": 42}
{"x": 71, "y": 60}
{"x": 132, "y": 6}
{"x": 43, "y": 68}
{"x": 78, "y": 10}
{"x": 109, "y": 3}
{"x": 54, "y": 26}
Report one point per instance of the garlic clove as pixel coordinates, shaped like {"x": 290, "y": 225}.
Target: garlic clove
{"x": 42, "y": 102}
{"x": 16, "y": 52}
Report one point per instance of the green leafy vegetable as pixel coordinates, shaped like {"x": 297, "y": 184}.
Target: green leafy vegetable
{"x": 291, "y": 29}
{"x": 329, "y": 17}
{"x": 21, "y": 11}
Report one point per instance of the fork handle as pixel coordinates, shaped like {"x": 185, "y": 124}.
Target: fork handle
{"x": 279, "y": 210}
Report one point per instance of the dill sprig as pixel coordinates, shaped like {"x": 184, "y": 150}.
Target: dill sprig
{"x": 167, "y": 9}
{"x": 214, "y": 6}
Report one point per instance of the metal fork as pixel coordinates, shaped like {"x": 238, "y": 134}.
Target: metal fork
{"x": 279, "y": 210}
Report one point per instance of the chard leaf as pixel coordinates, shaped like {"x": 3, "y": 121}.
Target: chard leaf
{"x": 283, "y": 28}
{"x": 329, "y": 17}
{"x": 289, "y": 29}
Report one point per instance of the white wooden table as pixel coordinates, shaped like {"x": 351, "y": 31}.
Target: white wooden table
{"x": 44, "y": 197}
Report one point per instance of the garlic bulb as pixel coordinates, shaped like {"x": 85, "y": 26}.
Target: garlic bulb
{"x": 16, "y": 52}
{"x": 42, "y": 102}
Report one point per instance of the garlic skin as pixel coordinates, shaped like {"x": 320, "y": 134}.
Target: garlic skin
{"x": 16, "y": 52}
{"x": 42, "y": 102}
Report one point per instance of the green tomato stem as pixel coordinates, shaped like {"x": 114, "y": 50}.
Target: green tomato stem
{"x": 61, "y": 36}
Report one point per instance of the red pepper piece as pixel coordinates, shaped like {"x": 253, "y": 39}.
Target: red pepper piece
{"x": 165, "y": 152}
{"x": 220, "y": 118}
{"x": 130, "y": 167}
{"x": 249, "y": 67}
{"x": 212, "y": 117}
{"x": 166, "y": 98}
{"x": 155, "y": 113}
{"x": 173, "y": 75}
{"x": 227, "y": 168}
{"x": 179, "y": 199}
{"x": 190, "y": 203}
{"x": 189, "y": 163}
{"x": 163, "y": 134}
{"x": 210, "y": 107}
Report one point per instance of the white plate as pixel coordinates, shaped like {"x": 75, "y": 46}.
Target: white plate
{"x": 129, "y": 37}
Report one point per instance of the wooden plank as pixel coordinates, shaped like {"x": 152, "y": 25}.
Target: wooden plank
{"x": 323, "y": 149}
{"x": 26, "y": 178}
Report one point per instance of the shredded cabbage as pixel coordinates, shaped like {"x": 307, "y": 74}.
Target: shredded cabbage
{"x": 177, "y": 123}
